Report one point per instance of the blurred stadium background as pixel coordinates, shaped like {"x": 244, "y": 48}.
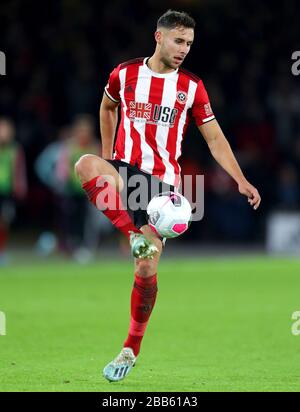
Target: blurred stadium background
{"x": 58, "y": 58}
{"x": 58, "y": 64}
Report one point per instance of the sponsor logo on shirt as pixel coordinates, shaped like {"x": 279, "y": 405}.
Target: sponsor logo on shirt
{"x": 157, "y": 114}
{"x": 140, "y": 110}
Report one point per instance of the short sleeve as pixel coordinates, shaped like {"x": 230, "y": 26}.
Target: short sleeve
{"x": 112, "y": 89}
{"x": 201, "y": 109}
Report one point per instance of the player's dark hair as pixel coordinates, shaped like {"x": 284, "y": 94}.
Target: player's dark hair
{"x": 171, "y": 19}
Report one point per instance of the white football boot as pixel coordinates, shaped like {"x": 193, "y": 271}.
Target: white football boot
{"x": 141, "y": 247}
{"x": 117, "y": 369}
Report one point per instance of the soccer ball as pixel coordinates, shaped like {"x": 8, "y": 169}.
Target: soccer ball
{"x": 169, "y": 214}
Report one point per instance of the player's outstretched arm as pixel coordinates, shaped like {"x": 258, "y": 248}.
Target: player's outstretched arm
{"x": 221, "y": 151}
{"x": 108, "y": 123}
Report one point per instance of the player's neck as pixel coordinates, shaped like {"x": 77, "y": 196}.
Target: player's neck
{"x": 157, "y": 66}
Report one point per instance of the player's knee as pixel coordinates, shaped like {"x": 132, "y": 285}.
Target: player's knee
{"x": 86, "y": 167}
{"x": 83, "y": 163}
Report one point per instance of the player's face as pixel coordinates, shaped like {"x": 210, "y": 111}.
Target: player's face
{"x": 175, "y": 44}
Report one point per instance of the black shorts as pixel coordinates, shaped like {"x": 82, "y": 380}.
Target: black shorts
{"x": 139, "y": 188}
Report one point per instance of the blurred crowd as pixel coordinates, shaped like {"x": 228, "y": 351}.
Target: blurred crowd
{"x": 59, "y": 56}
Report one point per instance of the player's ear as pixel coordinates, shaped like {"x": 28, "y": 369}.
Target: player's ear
{"x": 158, "y": 36}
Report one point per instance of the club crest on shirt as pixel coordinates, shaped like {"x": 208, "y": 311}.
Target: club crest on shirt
{"x": 181, "y": 97}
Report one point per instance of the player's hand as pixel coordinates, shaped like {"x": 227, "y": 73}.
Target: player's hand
{"x": 246, "y": 189}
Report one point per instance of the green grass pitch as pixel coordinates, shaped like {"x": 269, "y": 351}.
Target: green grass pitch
{"x": 218, "y": 325}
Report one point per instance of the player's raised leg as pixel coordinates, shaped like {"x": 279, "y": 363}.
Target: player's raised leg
{"x": 90, "y": 166}
{"x": 103, "y": 185}
{"x": 143, "y": 299}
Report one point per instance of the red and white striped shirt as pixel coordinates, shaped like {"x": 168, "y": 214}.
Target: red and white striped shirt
{"x": 155, "y": 112}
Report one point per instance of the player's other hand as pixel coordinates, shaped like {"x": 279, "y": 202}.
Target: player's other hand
{"x": 246, "y": 189}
